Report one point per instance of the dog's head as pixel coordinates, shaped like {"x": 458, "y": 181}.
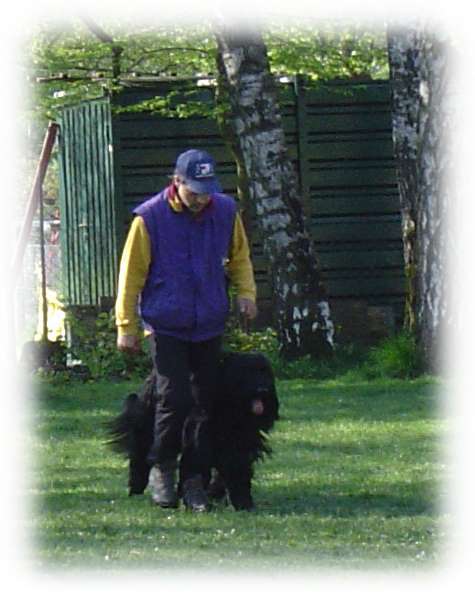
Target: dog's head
{"x": 247, "y": 380}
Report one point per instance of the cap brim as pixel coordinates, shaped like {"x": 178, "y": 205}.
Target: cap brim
{"x": 210, "y": 185}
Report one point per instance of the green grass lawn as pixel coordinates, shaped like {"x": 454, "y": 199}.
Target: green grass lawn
{"x": 355, "y": 482}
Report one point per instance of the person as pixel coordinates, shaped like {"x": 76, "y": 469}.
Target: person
{"x": 184, "y": 246}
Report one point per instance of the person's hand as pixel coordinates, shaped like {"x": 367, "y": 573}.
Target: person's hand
{"x": 247, "y": 308}
{"x": 128, "y": 343}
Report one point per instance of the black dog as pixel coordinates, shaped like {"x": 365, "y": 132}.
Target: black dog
{"x": 244, "y": 411}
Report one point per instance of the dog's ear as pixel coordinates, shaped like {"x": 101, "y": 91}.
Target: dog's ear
{"x": 131, "y": 400}
{"x": 267, "y": 419}
{"x": 230, "y": 371}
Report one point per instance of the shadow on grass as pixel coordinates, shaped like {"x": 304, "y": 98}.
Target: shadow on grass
{"x": 297, "y": 499}
{"x": 334, "y": 495}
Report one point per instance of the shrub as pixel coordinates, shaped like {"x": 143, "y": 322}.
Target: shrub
{"x": 264, "y": 341}
{"x": 306, "y": 367}
{"x": 345, "y": 358}
{"x": 95, "y": 347}
{"x": 396, "y": 357}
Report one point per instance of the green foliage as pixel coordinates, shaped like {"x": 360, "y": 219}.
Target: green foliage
{"x": 185, "y": 102}
{"x": 74, "y": 65}
{"x": 94, "y": 345}
{"x": 329, "y": 51}
{"x": 396, "y": 357}
{"x": 343, "y": 360}
{"x": 264, "y": 341}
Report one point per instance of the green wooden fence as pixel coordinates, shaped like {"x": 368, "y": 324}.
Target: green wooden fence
{"x": 339, "y": 137}
{"x": 88, "y": 204}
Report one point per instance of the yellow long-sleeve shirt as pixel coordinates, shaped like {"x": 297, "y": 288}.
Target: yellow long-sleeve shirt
{"x": 135, "y": 263}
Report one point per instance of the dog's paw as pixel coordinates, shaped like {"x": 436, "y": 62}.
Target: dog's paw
{"x": 243, "y": 503}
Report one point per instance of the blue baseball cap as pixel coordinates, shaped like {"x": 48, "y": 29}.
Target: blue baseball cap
{"x": 197, "y": 169}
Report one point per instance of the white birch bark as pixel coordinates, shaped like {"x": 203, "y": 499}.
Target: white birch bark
{"x": 302, "y": 312}
{"x": 420, "y": 86}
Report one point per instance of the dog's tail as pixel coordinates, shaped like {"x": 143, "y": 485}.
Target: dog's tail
{"x": 123, "y": 429}
{"x": 132, "y": 429}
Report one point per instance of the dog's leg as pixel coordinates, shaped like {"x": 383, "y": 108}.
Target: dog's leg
{"x": 241, "y": 496}
{"x": 139, "y": 471}
{"x": 238, "y": 480}
{"x": 216, "y": 488}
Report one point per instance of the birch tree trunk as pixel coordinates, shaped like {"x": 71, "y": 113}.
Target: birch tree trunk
{"x": 255, "y": 129}
{"x": 418, "y": 66}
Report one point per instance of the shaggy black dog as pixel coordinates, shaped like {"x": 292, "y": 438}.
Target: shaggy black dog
{"x": 244, "y": 412}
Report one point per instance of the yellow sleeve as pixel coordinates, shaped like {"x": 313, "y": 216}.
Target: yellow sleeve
{"x": 133, "y": 271}
{"x": 240, "y": 265}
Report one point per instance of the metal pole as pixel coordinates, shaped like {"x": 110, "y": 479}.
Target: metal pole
{"x": 35, "y": 197}
{"x": 44, "y": 335}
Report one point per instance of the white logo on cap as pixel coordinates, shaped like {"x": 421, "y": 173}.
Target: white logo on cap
{"x": 204, "y": 170}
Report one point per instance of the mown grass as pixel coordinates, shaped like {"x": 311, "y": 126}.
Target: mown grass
{"x": 355, "y": 481}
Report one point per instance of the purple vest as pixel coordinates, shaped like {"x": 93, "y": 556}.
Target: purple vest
{"x": 185, "y": 294}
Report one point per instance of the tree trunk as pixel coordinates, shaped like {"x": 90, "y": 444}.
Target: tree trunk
{"x": 418, "y": 66}
{"x": 257, "y": 139}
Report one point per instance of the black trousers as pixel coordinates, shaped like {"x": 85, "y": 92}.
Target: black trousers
{"x": 186, "y": 385}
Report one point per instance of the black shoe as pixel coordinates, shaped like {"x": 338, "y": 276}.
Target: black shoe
{"x": 194, "y": 496}
{"x": 162, "y": 482}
